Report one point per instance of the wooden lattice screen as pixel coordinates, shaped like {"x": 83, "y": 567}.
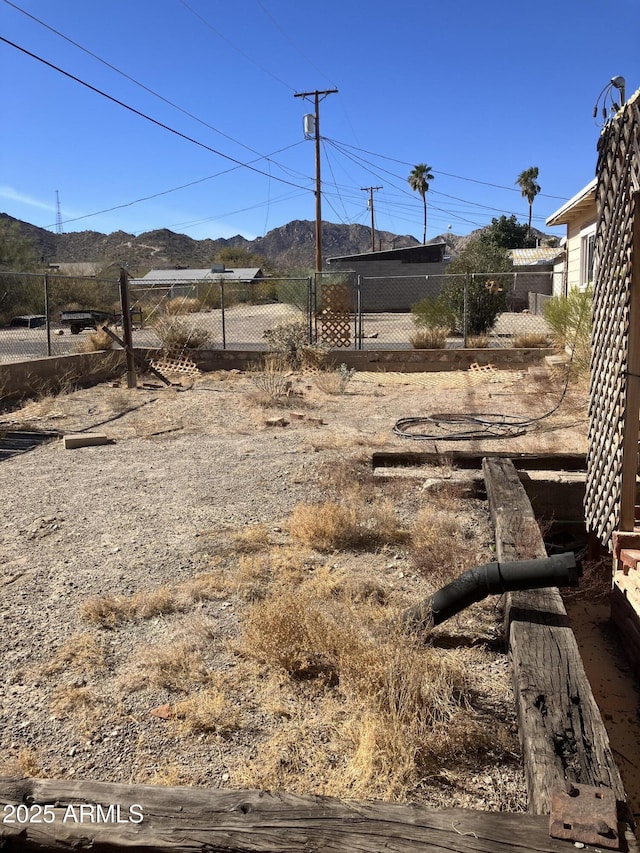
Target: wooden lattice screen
{"x": 615, "y": 365}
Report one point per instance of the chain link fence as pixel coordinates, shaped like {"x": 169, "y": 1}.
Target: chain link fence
{"x": 338, "y": 310}
{"x": 35, "y": 311}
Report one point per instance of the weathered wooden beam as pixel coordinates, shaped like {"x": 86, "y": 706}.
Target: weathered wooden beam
{"x": 473, "y": 459}
{"x": 186, "y": 820}
{"x": 561, "y": 730}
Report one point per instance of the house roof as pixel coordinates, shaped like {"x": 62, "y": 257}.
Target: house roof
{"x": 190, "y": 276}
{"x": 531, "y": 257}
{"x": 578, "y": 204}
{"x": 423, "y": 253}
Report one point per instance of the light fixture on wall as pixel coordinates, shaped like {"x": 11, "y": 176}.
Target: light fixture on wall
{"x": 618, "y": 83}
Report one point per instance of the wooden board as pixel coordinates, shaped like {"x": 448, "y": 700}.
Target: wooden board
{"x": 473, "y": 459}
{"x": 185, "y": 820}
{"x": 561, "y": 730}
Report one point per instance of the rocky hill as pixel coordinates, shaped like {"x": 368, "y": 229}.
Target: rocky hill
{"x": 290, "y": 247}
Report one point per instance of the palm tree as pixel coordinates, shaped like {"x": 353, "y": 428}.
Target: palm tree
{"x": 419, "y": 182}
{"x": 529, "y": 187}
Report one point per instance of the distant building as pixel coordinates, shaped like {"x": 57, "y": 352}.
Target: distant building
{"x": 184, "y": 283}
{"x": 535, "y": 274}
{"x": 579, "y": 214}
{"x": 394, "y": 279}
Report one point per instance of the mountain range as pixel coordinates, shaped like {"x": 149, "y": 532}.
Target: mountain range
{"x": 289, "y": 248}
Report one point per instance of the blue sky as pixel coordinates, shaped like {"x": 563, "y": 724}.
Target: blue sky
{"x": 478, "y": 91}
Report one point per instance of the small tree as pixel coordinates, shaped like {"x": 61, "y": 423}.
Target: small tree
{"x": 480, "y": 267}
{"x": 507, "y": 233}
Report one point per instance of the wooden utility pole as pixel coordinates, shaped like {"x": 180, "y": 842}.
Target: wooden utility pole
{"x": 373, "y": 233}
{"x": 316, "y": 101}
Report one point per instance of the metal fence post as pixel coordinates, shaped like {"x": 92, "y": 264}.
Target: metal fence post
{"x": 310, "y": 309}
{"x": 358, "y": 323}
{"x": 126, "y": 328}
{"x": 465, "y": 310}
{"x": 222, "y": 314}
{"x": 46, "y": 312}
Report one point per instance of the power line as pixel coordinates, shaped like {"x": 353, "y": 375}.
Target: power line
{"x": 446, "y": 174}
{"x": 132, "y": 79}
{"x": 247, "y": 56}
{"x": 147, "y": 117}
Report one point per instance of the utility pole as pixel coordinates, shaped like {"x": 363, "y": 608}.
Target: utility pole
{"x": 316, "y": 100}
{"x": 373, "y": 233}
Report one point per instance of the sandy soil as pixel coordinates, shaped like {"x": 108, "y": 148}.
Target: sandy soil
{"x": 189, "y": 472}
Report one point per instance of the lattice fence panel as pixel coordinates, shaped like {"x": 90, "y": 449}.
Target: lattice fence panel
{"x": 618, "y": 174}
{"x": 335, "y": 317}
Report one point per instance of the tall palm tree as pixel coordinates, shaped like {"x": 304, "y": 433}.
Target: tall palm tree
{"x": 419, "y": 182}
{"x": 529, "y": 186}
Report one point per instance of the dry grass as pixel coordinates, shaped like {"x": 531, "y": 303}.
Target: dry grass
{"x": 177, "y": 333}
{"x": 82, "y": 652}
{"x": 176, "y": 666}
{"x": 25, "y": 763}
{"x": 531, "y": 340}
{"x": 272, "y": 380}
{"x": 430, "y": 338}
{"x": 478, "y": 341}
{"x": 95, "y": 341}
{"x": 254, "y": 537}
{"x": 182, "y": 306}
{"x": 334, "y": 382}
{"x": 380, "y": 711}
{"x": 108, "y": 610}
{"x": 207, "y": 711}
{"x": 352, "y": 524}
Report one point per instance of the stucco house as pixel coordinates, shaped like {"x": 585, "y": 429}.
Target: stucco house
{"x": 395, "y": 279}
{"x": 579, "y": 214}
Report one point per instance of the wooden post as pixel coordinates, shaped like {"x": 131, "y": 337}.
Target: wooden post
{"x": 561, "y": 730}
{"x": 127, "y": 332}
{"x": 632, "y": 408}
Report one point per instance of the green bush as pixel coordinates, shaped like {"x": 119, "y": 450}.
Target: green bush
{"x": 434, "y": 312}
{"x": 569, "y": 317}
{"x": 485, "y": 300}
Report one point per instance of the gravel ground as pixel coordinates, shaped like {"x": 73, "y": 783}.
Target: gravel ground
{"x": 188, "y": 469}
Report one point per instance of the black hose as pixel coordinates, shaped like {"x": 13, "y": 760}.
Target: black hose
{"x": 492, "y": 579}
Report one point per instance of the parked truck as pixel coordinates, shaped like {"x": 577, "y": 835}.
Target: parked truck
{"x": 91, "y": 318}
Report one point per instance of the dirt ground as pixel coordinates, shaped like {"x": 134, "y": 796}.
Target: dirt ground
{"x": 135, "y": 576}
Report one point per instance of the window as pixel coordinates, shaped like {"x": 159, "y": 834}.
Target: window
{"x": 587, "y": 250}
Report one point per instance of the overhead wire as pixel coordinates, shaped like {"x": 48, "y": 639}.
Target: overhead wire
{"x": 144, "y": 116}
{"x": 131, "y": 79}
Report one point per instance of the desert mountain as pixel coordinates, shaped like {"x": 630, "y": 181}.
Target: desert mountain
{"x": 290, "y": 247}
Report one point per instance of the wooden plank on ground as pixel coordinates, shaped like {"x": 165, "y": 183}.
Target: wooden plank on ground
{"x": 561, "y": 730}
{"x": 194, "y": 819}
{"x": 473, "y": 459}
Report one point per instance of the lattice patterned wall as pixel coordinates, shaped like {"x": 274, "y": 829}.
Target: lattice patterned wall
{"x": 618, "y": 174}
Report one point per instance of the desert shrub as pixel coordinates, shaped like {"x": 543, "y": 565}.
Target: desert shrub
{"x": 335, "y": 381}
{"x": 186, "y": 305}
{"x": 289, "y": 339}
{"x": 478, "y": 341}
{"x": 95, "y": 341}
{"x": 429, "y": 338}
{"x": 434, "y": 312}
{"x": 531, "y": 340}
{"x": 178, "y": 333}
{"x": 272, "y": 380}
{"x": 485, "y": 300}
{"x": 569, "y": 317}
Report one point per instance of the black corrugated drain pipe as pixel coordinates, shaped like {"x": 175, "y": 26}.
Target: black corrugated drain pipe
{"x": 492, "y": 579}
